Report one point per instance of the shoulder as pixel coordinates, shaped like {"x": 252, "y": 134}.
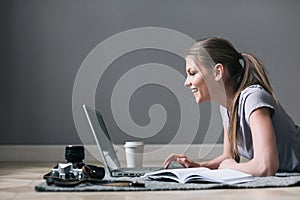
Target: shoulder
{"x": 257, "y": 94}
{"x": 255, "y": 97}
{"x": 254, "y": 89}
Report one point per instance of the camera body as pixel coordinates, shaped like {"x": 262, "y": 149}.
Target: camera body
{"x": 74, "y": 171}
{"x": 73, "y": 168}
{"x": 67, "y": 171}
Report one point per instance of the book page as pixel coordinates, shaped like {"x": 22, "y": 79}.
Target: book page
{"x": 228, "y": 176}
{"x": 179, "y": 175}
{"x": 184, "y": 175}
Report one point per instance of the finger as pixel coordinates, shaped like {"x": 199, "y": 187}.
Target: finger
{"x": 167, "y": 164}
{"x": 184, "y": 162}
{"x": 170, "y": 159}
{"x": 173, "y": 158}
{"x": 181, "y": 156}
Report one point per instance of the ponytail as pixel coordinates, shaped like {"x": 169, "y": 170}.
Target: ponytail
{"x": 253, "y": 73}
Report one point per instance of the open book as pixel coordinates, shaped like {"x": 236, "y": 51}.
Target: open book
{"x": 200, "y": 174}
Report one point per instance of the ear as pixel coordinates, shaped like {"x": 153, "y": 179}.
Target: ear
{"x": 219, "y": 71}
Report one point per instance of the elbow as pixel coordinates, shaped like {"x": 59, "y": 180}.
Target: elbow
{"x": 268, "y": 169}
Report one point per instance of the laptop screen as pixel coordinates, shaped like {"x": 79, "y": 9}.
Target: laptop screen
{"x": 102, "y": 138}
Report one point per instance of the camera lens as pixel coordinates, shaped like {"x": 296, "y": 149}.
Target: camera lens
{"x": 74, "y": 154}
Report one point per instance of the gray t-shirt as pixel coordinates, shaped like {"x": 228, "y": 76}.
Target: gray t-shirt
{"x": 287, "y": 133}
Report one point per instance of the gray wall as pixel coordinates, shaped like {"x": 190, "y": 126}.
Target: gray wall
{"x": 44, "y": 42}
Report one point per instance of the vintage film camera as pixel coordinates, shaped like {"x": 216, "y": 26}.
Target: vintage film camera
{"x": 74, "y": 171}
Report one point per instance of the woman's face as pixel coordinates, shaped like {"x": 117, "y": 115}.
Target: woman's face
{"x": 196, "y": 82}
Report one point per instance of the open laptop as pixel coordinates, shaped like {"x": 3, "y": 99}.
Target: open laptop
{"x": 106, "y": 147}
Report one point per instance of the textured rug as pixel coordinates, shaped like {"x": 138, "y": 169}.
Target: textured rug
{"x": 280, "y": 180}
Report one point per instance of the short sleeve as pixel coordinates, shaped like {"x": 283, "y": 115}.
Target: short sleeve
{"x": 254, "y": 98}
{"x": 224, "y": 116}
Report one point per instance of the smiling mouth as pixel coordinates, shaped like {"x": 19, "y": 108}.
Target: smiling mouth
{"x": 194, "y": 90}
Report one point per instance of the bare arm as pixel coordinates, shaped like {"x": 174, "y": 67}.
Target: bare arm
{"x": 227, "y": 154}
{"x": 212, "y": 164}
{"x": 265, "y": 159}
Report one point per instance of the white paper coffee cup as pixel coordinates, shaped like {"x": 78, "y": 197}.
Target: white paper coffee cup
{"x": 134, "y": 153}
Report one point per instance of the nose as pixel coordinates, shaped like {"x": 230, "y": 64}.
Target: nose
{"x": 187, "y": 82}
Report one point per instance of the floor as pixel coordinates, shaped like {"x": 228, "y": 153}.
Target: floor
{"x": 17, "y": 181}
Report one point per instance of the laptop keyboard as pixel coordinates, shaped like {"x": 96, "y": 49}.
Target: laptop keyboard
{"x": 140, "y": 169}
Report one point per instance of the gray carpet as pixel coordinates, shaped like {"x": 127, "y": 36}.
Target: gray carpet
{"x": 280, "y": 180}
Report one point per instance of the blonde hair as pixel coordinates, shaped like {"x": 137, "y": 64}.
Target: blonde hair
{"x": 243, "y": 69}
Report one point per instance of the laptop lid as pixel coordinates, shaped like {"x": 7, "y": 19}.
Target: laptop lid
{"x": 102, "y": 138}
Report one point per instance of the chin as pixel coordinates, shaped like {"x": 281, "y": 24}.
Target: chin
{"x": 198, "y": 100}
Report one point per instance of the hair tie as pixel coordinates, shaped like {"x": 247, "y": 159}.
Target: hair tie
{"x": 241, "y": 60}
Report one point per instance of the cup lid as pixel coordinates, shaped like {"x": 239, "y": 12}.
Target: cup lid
{"x": 133, "y": 144}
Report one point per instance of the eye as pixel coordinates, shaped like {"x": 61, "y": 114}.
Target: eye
{"x": 191, "y": 73}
